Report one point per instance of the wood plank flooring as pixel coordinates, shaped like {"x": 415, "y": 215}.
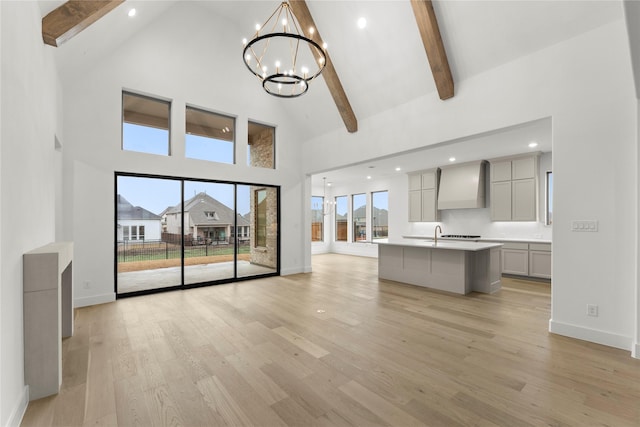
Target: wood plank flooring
{"x": 337, "y": 347}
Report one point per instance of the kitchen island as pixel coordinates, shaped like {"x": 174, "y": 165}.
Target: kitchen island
{"x": 453, "y": 266}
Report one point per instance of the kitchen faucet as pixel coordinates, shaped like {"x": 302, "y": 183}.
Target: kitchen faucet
{"x": 435, "y": 234}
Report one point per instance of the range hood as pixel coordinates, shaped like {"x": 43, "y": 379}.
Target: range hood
{"x": 462, "y": 186}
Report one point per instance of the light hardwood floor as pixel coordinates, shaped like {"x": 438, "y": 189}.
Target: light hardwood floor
{"x": 336, "y": 347}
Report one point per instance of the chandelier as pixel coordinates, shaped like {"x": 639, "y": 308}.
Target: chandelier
{"x": 328, "y": 206}
{"x": 278, "y": 57}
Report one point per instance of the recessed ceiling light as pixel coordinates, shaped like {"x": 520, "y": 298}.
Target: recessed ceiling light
{"x": 533, "y": 144}
{"x": 452, "y": 159}
{"x": 132, "y": 12}
{"x": 362, "y": 22}
{"x": 328, "y": 184}
{"x": 368, "y": 176}
{"x": 398, "y": 169}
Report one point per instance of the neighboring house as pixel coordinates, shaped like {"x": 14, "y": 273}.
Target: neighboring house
{"x": 207, "y": 220}
{"x": 136, "y": 223}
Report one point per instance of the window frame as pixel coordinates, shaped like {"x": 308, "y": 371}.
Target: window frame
{"x": 321, "y": 219}
{"x": 373, "y": 207}
{"x": 273, "y": 128}
{"x": 335, "y": 236}
{"x": 215, "y": 113}
{"x": 158, "y": 99}
{"x": 354, "y": 227}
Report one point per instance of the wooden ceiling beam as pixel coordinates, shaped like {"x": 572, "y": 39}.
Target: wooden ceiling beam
{"x": 432, "y": 40}
{"x": 303, "y": 15}
{"x": 67, "y": 20}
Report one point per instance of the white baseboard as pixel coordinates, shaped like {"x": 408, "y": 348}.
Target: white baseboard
{"x": 307, "y": 269}
{"x": 592, "y": 335}
{"x": 94, "y": 300}
{"x": 18, "y": 412}
{"x": 635, "y": 351}
{"x": 295, "y": 270}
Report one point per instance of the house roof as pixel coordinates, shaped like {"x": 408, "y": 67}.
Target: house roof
{"x": 127, "y": 211}
{"x": 200, "y": 205}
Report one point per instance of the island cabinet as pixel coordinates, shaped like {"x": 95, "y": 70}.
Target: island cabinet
{"x": 423, "y": 196}
{"x": 458, "y": 267}
{"x": 514, "y": 192}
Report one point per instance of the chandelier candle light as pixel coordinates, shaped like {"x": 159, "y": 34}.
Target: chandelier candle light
{"x": 279, "y": 59}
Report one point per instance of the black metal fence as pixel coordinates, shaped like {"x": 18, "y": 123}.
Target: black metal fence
{"x": 149, "y": 250}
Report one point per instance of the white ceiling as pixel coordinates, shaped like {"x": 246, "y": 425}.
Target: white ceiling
{"x": 502, "y": 142}
{"x": 381, "y": 66}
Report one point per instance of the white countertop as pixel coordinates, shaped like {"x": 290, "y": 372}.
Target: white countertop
{"x": 483, "y": 239}
{"x": 456, "y": 245}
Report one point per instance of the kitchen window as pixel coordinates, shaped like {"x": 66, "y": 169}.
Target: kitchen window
{"x": 145, "y": 124}
{"x": 210, "y": 136}
{"x": 380, "y": 215}
{"x": 341, "y": 218}
{"x": 317, "y": 219}
{"x": 359, "y": 216}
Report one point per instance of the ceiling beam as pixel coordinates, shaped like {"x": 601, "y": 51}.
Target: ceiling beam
{"x": 303, "y": 15}
{"x": 67, "y": 20}
{"x": 432, "y": 40}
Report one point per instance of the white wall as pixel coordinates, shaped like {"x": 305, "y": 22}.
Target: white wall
{"x": 585, "y": 85}
{"x": 636, "y": 346}
{"x": 188, "y": 64}
{"x": 28, "y": 171}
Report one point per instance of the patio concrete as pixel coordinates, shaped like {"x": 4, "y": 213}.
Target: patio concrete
{"x": 166, "y": 277}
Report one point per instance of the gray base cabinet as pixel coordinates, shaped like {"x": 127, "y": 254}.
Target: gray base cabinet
{"x": 527, "y": 259}
{"x": 515, "y": 261}
{"x": 540, "y": 260}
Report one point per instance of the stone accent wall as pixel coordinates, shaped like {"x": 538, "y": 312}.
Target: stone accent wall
{"x": 261, "y": 146}
{"x": 266, "y": 256}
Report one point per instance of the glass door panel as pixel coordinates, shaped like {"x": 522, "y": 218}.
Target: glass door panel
{"x": 148, "y": 255}
{"x": 257, "y": 230}
{"x": 209, "y": 218}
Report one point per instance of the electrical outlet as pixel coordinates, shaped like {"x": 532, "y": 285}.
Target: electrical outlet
{"x": 592, "y": 310}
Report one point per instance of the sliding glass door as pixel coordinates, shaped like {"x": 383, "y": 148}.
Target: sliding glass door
{"x": 147, "y": 257}
{"x": 179, "y": 232}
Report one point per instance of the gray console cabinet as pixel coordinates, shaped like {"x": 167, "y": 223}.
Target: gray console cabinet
{"x": 48, "y": 315}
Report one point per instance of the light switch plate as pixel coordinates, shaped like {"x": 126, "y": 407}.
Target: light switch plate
{"x": 584, "y": 225}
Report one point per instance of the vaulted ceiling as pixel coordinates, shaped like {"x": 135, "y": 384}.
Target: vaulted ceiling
{"x": 380, "y": 66}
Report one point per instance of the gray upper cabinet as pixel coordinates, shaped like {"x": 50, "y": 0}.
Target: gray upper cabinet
{"x": 501, "y": 171}
{"x": 501, "y": 201}
{"x": 514, "y": 192}
{"x": 423, "y": 196}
